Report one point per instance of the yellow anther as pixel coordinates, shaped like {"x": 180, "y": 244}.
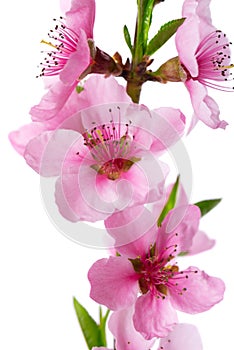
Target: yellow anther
{"x": 48, "y": 43}
{"x": 98, "y": 131}
{"x": 226, "y": 67}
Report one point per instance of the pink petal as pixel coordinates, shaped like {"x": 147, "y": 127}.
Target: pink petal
{"x": 99, "y": 90}
{"x": 52, "y": 102}
{"x": 182, "y": 337}
{"x": 113, "y": 274}
{"x": 197, "y": 26}
{"x": 201, "y": 242}
{"x": 205, "y": 108}
{"x": 65, "y": 5}
{"x": 202, "y": 291}
{"x": 185, "y": 46}
{"x": 81, "y": 15}
{"x": 46, "y": 152}
{"x": 181, "y": 200}
{"x": 121, "y": 326}
{"x": 77, "y": 63}
{"x": 64, "y": 202}
{"x": 76, "y": 196}
{"x": 178, "y": 229}
{"x": 133, "y": 230}
{"x": 21, "y": 137}
{"x": 170, "y": 124}
{"x": 202, "y": 10}
{"x": 154, "y": 317}
{"x": 62, "y": 101}
{"x": 147, "y": 178}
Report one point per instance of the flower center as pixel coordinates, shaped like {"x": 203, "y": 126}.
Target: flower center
{"x": 114, "y": 167}
{"x": 112, "y": 148}
{"x": 213, "y": 57}
{"x": 156, "y": 275}
{"x": 64, "y": 43}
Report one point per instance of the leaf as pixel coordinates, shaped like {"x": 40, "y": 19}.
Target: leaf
{"x": 127, "y": 37}
{"x": 102, "y": 326}
{"x": 207, "y": 205}
{"x": 147, "y": 18}
{"x": 170, "y": 202}
{"x": 164, "y": 34}
{"x": 88, "y": 326}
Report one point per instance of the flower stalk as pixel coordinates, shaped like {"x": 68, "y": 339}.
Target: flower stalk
{"x": 136, "y": 77}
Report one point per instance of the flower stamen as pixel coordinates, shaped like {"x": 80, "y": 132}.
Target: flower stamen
{"x": 112, "y": 148}
{"x": 65, "y": 43}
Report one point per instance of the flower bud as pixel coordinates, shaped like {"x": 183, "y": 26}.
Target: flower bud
{"x": 171, "y": 70}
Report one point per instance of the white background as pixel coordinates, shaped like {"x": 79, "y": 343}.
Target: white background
{"x": 41, "y": 270}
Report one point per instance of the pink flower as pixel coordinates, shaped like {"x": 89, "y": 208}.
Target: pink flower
{"x": 204, "y": 53}
{"x": 97, "y": 90}
{"x": 70, "y": 54}
{"x": 104, "y": 158}
{"x": 147, "y": 266}
{"x": 183, "y": 337}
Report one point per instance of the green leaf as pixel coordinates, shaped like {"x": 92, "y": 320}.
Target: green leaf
{"x": 164, "y": 34}
{"x": 170, "y": 202}
{"x": 207, "y": 205}
{"x": 89, "y": 327}
{"x": 127, "y": 37}
{"x": 147, "y": 19}
{"x": 102, "y": 326}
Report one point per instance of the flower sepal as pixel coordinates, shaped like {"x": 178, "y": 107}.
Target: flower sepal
{"x": 171, "y": 70}
{"x": 101, "y": 63}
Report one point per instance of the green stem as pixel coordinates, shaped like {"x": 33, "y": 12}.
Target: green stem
{"x": 135, "y": 78}
{"x": 138, "y": 47}
{"x": 134, "y": 90}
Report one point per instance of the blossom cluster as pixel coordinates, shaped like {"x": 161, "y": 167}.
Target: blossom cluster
{"x": 104, "y": 149}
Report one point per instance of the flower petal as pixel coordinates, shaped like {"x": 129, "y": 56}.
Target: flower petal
{"x": 186, "y": 47}
{"x": 121, "y": 326}
{"x": 201, "y": 242}
{"x": 21, "y": 137}
{"x": 47, "y": 152}
{"x": 178, "y": 229}
{"x": 52, "y": 102}
{"x": 78, "y": 61}
{"x": 113, "y": 274}
{"x": 99, "y": 89}
{"x": 147, "y": 178}
{"x": 81, "y": 15}
{"x": 194, "y": 291}
{"x": 181, "y": 200}
{"x": 202, "y": 10}
{"x": 205, "y": 108}
{"x": 133, "y": 230}
{"x": 183, "y": 337}
{"x": 154, "y": 317}
{"x": 76, "y": 194}
{"x": 170, "y": 124}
